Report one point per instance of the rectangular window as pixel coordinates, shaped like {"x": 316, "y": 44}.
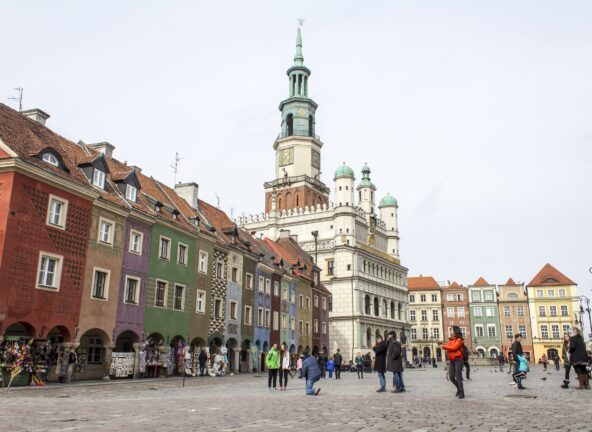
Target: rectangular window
{"x": 316, "y": 301}
{"x": 292, "y": 323}
{"x": 476, "y": 296}
{"x": 449, "y": 297}
{"x": 160, "y": 294}
{"x": 261, "y": 287}
{"x": 292, "y": 297}
{"x": 479, "y": 330}
{"x": 99, "y": 178}
{"x": 551, "y": 293}
{"x": 491, "y": 330}
{"x": 539, "y": 293}
{"x": 324, "y": 327}
{"x": 411, "y": 298}
{"x": 233, "y": 310}
{"x": 436, "y": 333}
{"x": 100, "y": 286}
{"x": 50, "y": 269}
{"x": 234, "y": 274}
{"x": 260, "y": 320}
{"x": 542, "y": 311}
{"x": 106, "y": 231}
{"x": 563, "y": 310}
{"x": 276, "y": 288}
{"x": 182, "y": 254}
{"x": 301, "y": 298}
{"x": 463, "y": 330}
{"x": 56, "y": 212}
{"x": 276, "y": 320}
{"x": 285, "y": 293}
{"x": 435, "y": 298}
{"x": 131, "y": 193}
{"x": 553, "y": 311}
{"x": 307, "y": 302}
{"x": 132, "y": 290}
{"x": 520, "y": 310}
{"x": 200, "y": 302}
{"x": 203, "y": 262}
{"x": 165, "y": 248}
{"x": 522, "y": 330}
{"x": 411, "y": 315}
{"x": 135, "y": 242}
{"x": 267, "y": 317}
{"x": 324, "y": 303}
{"x": 424, "y": 333}
{"x": 460, "y": 297}
{"x": 315, "y": 326}
{"x": 488, "y": 295}
{"x": 284, "y": 322}
{"x": 422, "y": 298}
{"x": 424, "y": 315}
{"x": 268, "y": 286}
{"x": 555, "y": 331}
{"x": 506, "y": 310}
{"x": 179, "y": 297}
{"x": 489, "y": 311}
{"x": 460, "y": 312}
{"x": 478, "y": 312}
{"x": 218, "y": 305}
{"x": 301, "y": 327}
{"x": 544, "y": 332}
{"x": 248, "y": 315}
{"x": 562, "y": 292}
{"x": 249, "y": 281}
{"x": 565, "y": 329}
{"x": 307, "y": 328}
{"x": 413, "y": 334}
{"x": 450, "y": 312}
{"x": 219, "y": 269}
{"x": 330, "y": 267}
{"x": 509, "y": 332}
{"x": 435, "y": 315}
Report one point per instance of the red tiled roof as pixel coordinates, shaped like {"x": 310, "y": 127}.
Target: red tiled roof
{"x": 454, "y": 285}
{"x": 550, "y": 276}
{"x": 422, "y": 283}
{"x": 481, "y": 282}
{"x": 511, "y": 282}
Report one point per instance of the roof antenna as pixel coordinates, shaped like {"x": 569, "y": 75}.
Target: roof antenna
{"x": 175, "y": 166}
{"x": 19, "y": 98}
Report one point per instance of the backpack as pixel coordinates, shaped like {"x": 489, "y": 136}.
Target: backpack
{"x": 465, "y": 352}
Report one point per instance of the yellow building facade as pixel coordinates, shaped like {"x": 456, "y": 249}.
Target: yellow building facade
{"x": 553, "y": 304}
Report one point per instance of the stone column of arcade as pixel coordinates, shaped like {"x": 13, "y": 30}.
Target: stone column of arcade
{"x": 138, "y": 348}
{"x": 107, "y": 362}
{"x": 236, "y": 364}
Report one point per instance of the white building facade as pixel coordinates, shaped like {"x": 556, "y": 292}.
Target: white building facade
{"x": 357, "y": 248}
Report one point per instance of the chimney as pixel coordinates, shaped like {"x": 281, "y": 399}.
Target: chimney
{"x": 104, "y": 147}
{"x": 136, "y": 168}
{"x": 189, "y": 192}
{"x": 284, "y": 234}
{"x": 36, "y": 114}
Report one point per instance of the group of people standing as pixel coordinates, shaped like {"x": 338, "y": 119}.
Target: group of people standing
{"x": 389, "y": 358}
{"x": 575, "y": 356}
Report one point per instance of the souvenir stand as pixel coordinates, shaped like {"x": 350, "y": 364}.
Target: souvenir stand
{"x": 122, "y": 364}
{"x": 157, "y": 361}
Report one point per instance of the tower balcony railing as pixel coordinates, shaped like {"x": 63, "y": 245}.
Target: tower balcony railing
{"x": 298, "y": 132}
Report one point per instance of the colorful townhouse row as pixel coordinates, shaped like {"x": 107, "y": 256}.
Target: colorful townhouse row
{"x": 490, "y": 315}
{"x": 98, "y": 258}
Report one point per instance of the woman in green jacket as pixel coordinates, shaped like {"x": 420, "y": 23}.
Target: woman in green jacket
{"x": 272, "y": 363}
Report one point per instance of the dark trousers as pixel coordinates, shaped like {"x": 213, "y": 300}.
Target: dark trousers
{"x": 202, "y": 370}
{"x": 323, "y": 370}
{"x": 556, "y": 365}
{"x": 272, "y": 376}
{"x": 567, "y": 368}
{"x": 337, "y": 372}
{"x": 517, "y": 375}
{"x": 284, "y": 374}
{"x": 455, "y": 373}
{"x": 360, "y": 370}
{"x": 468, "y": 368}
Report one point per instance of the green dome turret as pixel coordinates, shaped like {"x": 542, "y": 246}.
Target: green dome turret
{"x": 388, "y": 201}
{"x": 344, "y": 171}
{"x": 366, "y": 183}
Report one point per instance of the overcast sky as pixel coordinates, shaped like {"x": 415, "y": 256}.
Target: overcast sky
{"x": 477, "y": 116}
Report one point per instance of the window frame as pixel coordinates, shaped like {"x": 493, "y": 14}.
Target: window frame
{"x": 477, "y": 327}
{"x": 129, "y": 191}
{"x": 203, "y": 254}
{"x": 57, "y": 274}
{"x": 63, "y": 213}
{"x": 218, "y": 311}
{"x": 184, "y": 294}
{"x": 98, "y": 181}
{"x": 248, "y": 312}
{"x": 233, "y": 310}
{"x": 249, "y": 281}
{"x": 111, "y": 238}
{"x": 170, "y": 242}
{"x": 140, "y": 234}
{"x": 261, "y": 285}
{"x": 54, "y": 161}
{"x": 105, "y": 288}
{"x": 185, "y": 255}
{"x": 136, "y": 294}
{"x": 204, "y": 307}
{"x": 166, "y": 293}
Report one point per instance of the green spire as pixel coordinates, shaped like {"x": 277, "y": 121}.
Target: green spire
{"x": 298, "y": 58}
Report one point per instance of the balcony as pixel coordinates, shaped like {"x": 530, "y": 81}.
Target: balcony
{"x": 298, "y": 132}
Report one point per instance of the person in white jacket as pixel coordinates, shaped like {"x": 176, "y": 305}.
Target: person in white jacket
{"x": 284, "y": 367}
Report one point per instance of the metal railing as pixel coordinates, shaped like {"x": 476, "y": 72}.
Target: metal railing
{"x": 298, "y": 132}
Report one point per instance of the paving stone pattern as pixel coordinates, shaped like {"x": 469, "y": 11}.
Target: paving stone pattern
{"x": 242, "y": 402}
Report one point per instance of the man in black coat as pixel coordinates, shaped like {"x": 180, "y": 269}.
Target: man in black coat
{"x": 579, "y": 358}
{"x": 338, "y": 360}
{"x": 202, "y": 358}
{"x": 517, "y": 351}
{"x": 380, "y": 350}
{"x": 323, "y": 359}
{"x": 394, "y": 362}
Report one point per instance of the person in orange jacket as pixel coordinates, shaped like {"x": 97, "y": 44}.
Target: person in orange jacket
{"x": 454, "y": 349}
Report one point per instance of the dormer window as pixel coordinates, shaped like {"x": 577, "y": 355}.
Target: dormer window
{"x": 99, "y": 178}
{"x": 131, "y": 193}
{"x": 50, "y": 159}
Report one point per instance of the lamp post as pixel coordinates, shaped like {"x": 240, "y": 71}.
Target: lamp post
{"x": 586, "y": 300}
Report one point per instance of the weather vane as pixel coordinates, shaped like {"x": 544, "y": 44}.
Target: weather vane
{"x": 301, "y": 21}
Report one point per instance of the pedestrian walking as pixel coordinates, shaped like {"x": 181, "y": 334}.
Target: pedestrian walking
{"x": 394, "y": 362}
{"x": 368, "y": 363}
{"x": 338, "y": 360}
{"x": 311, "y": 373}
{"x": 466, "y": 354}
{"x": 284, "y": 370}
{"x": 544, "y": 361}
{"x": 556, "y": 361}
{"x": 202, "y": 359}
{"x": 510, "y": 362}
{"x": 380, "y": 349}
{"x": 323, "y": 358}
{"x": 518, "y": 354}
{"x": 566, "y": 361}
{"x": 299, "y": 366}
{"x": 272, "y": 363}
{"x": 501, "y": 360}
{"x": 454, "y": 350}
{"x": 330, "y": 367}
{"x": 579, "y": 358}
{"x": 360, "y": 365}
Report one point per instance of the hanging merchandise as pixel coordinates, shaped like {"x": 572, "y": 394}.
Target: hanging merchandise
{"x": 17, "y": 366}
{"x": 122, "y": 364}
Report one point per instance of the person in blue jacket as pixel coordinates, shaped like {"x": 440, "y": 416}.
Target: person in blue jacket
{"x": 311, "y": 373}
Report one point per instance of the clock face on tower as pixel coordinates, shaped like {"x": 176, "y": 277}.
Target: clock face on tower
{"x": 316, "y": 159}
{"x": 286, "y": 156}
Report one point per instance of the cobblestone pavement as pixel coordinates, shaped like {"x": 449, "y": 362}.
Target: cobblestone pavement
{"x": 242, "y": 402}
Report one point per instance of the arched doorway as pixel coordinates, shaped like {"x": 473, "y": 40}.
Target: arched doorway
{"x": 552, "y": 353}
{"x": 196, "y": 346}
{"x": 245, "y": 356}
{"x": 427, "y": 354}
{"x": 177, "y": 355}
{"x": 315, "y": 351}
{"x": 94, "y": 355}
{"x": 480, "y": 352}
{"x": 231, "y": 344}
{"x": 300, "y": 349}
{"x": 414, "y": 352}
{"x": 125, "y": 342}
{"x": 439, "y": 354}
{"x": 19, "y": 330}
{"x": 493, "y": 353}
